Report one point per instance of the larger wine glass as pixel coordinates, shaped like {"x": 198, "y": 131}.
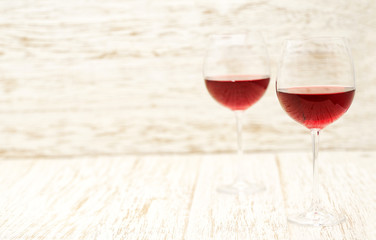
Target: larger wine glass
{"x": 236, "y": 73}
{"x": 315, "y": 86}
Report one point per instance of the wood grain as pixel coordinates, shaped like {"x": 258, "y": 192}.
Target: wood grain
{"x": 219, "y": 216}
{"x": 87, "y": 78}
{"x": 174, "y": 197}
{"x": 108, "y": 198}
{"x": 107, "y": 131}
{"x": 346, "y": 181}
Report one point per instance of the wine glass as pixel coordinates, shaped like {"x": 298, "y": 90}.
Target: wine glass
{"x": 236, "y": 72}
{"x": 315, "y": 86}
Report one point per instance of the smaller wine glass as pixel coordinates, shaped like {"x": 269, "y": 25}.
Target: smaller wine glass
{"x": 316, "y": 86}
{"x": 236, "y": 73}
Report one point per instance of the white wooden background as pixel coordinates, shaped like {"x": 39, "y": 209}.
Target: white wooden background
{"x": 82, "y": 78}
{"x": 107, "y": 131}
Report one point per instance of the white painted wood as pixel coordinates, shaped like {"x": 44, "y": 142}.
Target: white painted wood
{"x": 347, "y": 181}
{"x": 173, "y": 197}
{"x": 96, "y": 198}
{"x": 96, "y": 97}
{"x": 219, "y": 216}
{"x": 81, "y": 78}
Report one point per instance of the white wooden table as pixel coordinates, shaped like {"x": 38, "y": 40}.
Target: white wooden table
{"x": 174, "y": 197}
{"x": 104, "y": 122}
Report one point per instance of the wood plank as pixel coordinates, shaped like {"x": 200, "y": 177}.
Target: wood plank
{"x": 219, "y": 216}
{"x": 173, "y": 197}
{"x": 97, "y": 198}
{"x": 126, "y": 76}
{"x": 55, "y": 199}
{"x": 347, "y": 183}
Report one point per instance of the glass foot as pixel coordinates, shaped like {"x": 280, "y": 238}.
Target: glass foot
{"x": 317, "y": 217}
{"x": 243, "y": 187}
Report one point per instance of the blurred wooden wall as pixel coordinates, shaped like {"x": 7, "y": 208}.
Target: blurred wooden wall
{"x": 124, "y": 77}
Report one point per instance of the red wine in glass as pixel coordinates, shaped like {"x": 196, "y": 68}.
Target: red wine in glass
{"x": 237, "y": 92}
{"x": 316, "y": 86}
{"x": 317, "y": 106}
{"x": 236, "y": 73}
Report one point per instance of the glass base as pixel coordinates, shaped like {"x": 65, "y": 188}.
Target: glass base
{"x": 317, "y": 217}
{"x": 243, "y": 187}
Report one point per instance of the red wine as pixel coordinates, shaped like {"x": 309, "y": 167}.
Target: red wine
{"x": 318, "y": 106}
{"x": 237, "y": 92}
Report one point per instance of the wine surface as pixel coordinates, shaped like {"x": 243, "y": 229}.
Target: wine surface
{"x": 318, "y": 106}
{"x": 237, "y": 92}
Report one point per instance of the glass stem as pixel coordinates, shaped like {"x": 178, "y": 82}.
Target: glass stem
{"x": 240, "y": 168}
{"x": 315, "y": 184}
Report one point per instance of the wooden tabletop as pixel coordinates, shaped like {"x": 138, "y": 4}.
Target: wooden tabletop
{"x": 174, "y": 197}
{"x": 107, "y": 130}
